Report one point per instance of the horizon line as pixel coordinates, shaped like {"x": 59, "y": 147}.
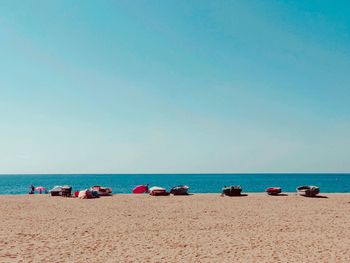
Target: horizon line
{"x": 182, "y": 173}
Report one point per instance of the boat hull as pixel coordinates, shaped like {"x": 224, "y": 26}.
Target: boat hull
{"x": 309, "y": 191}
{"x": 273, "y": 190}
{"x": 180, "y": 190}
{"x": 159, "y": 193}
{"x": 232, "y": 191}
{"x": 102, "y": 191}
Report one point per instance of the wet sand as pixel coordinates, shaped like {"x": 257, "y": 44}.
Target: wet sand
{"x": 197, "y": 228}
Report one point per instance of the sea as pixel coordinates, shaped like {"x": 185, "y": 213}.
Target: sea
{"x": 198, "y": 183}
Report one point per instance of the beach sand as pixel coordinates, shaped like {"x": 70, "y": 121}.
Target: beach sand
{"x": 197, "y": 228}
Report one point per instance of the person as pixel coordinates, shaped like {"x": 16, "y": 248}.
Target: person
{"x": 32, "y": 189}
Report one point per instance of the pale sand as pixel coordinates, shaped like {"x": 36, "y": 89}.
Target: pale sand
{"x": 197, "y": 228}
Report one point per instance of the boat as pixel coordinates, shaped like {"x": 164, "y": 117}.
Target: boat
{"x": 308, "y": 190}
{"x": 56, "y": 191}
{"x": 179, "y": 190}
{"x": 66, "y": 191}
{"x": 59, "y": 190}
{"x": 102, "y": 191}
{"x": 140, "y": 189}
{"x": 158, "y": 191}
{"x": 233, "y": 190}
{"x": 274, "y": 190}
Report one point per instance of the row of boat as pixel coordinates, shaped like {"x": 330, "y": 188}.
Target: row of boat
{"x": 233, "y": 190}
{"x": 305, "y": 190}
{"x": 93, "y": 192}
{"x": 97, "y": 191}
{"x": 160, "y": 191}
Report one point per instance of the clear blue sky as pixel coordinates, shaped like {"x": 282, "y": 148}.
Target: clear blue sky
{"x": 174, "y": 86}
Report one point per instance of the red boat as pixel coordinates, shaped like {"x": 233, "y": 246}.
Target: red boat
{"x": 140, "y": 189}
{"x": 274, "y": 190}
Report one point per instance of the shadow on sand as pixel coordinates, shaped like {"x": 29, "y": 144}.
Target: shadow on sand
{"x": 317, "y": 196}
{"x": 241, "y": 195}
{"x": 279, "y": 195}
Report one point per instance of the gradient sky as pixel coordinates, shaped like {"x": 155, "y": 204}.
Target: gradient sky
{"x": 174, "y": 86}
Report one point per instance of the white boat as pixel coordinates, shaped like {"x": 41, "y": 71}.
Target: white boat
{"x": 308, "y": 190}
{"x": 156, "y": 190}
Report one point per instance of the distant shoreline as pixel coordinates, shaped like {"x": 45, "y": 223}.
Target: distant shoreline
{"x": 198, "y": 183}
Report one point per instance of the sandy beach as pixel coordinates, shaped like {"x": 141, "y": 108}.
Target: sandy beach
{"x": 197, "y": 228}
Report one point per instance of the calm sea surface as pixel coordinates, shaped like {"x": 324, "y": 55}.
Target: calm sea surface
{"x": 199, "y": 183}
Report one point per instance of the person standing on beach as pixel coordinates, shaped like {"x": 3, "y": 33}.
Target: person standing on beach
{"x": 32, "y": 187}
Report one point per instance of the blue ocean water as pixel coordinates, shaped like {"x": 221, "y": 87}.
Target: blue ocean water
{"x": 199, "y": 183}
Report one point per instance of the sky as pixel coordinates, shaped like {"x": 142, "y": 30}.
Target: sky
{"x": 174, "y": 86}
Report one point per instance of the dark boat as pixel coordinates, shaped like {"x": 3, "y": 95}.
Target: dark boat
{"x": 179, "y": 190}
{"x": 273, "y": 190}
{"x": 65, "y": 191}
{"x": 308, "y": 190}
{"x": 102, "y": 191}
{"x": 56, "y": 191}
{"x": 233, "y": 190}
